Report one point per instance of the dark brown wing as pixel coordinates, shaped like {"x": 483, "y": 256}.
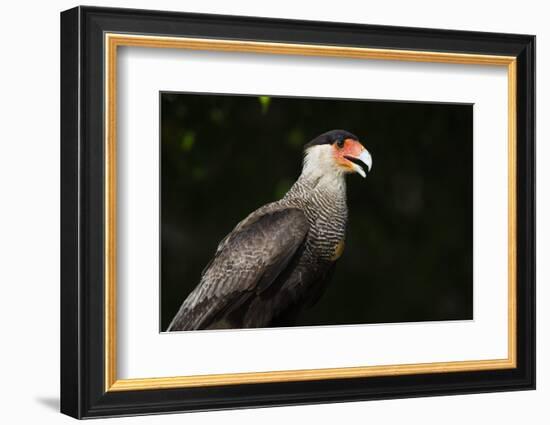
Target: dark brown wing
{"x": 317, "y": 290}
{"x": 248, "y": 259}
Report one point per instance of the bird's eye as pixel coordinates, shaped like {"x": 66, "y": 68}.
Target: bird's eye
{"x": 340, "y": 143}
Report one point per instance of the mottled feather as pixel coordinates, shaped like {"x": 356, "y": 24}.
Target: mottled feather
{"x": 247, "y": 261}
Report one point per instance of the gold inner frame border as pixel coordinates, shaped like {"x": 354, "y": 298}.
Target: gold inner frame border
{"x": 113, "y": 40}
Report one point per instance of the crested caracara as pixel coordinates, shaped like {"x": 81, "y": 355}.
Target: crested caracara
{"x": 279, "y": 259}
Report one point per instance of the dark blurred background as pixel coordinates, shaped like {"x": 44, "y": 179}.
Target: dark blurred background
{"x": 409, "y": 243}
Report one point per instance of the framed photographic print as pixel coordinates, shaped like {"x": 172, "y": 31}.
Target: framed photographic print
{"x": 261, "y": 212}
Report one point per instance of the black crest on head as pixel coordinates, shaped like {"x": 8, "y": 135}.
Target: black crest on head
{"x": 330, "y": 137}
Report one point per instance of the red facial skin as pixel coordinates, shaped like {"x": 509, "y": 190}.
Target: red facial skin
{"x": 350, "y": 148}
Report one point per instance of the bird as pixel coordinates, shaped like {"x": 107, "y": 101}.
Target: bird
{"x": 279, "y": 259}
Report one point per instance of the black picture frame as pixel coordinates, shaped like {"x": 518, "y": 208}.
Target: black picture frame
{"x": 83, "y": 392}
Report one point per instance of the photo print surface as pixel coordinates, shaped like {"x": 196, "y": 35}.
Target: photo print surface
{"x": 293, "y": 211}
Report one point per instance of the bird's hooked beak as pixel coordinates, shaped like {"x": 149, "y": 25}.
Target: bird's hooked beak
{"x": 357, "y": 157}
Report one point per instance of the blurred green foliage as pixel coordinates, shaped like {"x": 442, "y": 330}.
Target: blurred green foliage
{"x": 187, "y": 141}
{"x": 264, "y": 101}
{"x": 409, "y": 244}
